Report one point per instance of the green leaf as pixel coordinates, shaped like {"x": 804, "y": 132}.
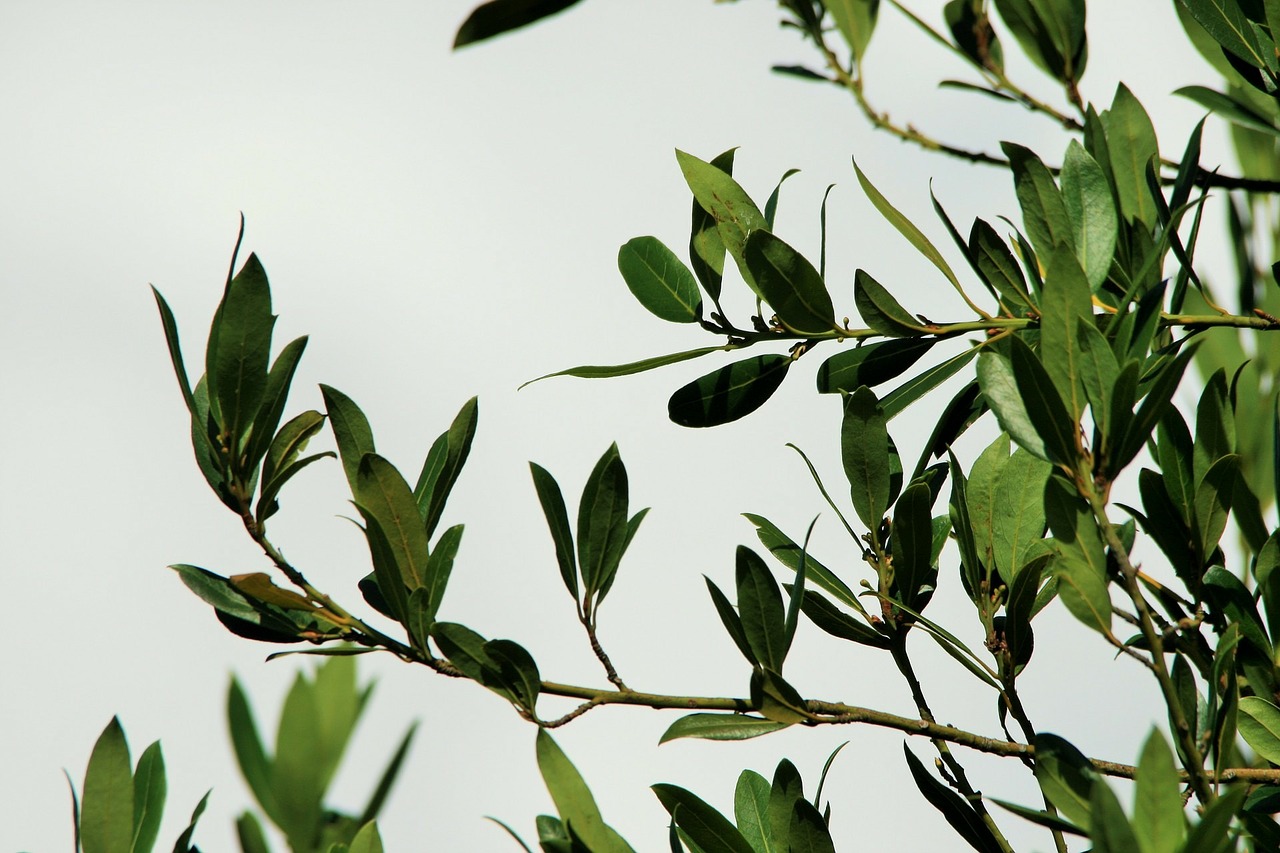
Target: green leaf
{"x": 1044, "y": 213}
{"x": 1110, "y": 830}
{"x": 720, "y": 727}
{"x": 704, "y": 826}
{"x": 1225, "y": 21}
{"x": 1099, "y": 373}
{"x": 1066, "y": 777}
{"x": 998, "y": 266}
{"x": 897, "y": 400}
{"x": 880, "y": 310}
{"x": 963, "y": 819}
{"x": 784, "y": 792}
{"x": 1049, "y": 416}
{"x": 444, "y": 463}
{"x": 906, "y": 228}
{"x": 856, "y": 20}
{"x": 809, "y": 833}
{"x": 251, "y": 835}
{"x": 1131, "y": 142}
{"x": 301, "y": 770}
{"x": 659, "y": 280}
{"x": 516, "y": 670}
{"x": 1259, "y": 724}
{"x": 1017, "y": 511}
{"x": 839, "y": 624}
{"x": 912, "y": 543}
{"x": 973, "y": 34}
{"x": 1233, "y": 109}
{"x": 106, "y": 814}
{"x": 789, "y": 553}
{"x": 439, "y": 567}
{"x": 175, "y": 349}
{"x": 602, "y": 521}
{"x": 1041, "y": 818}
{"x": 599, "y": 371}
{"x": 995, "y": 376}
{"x": 383, "y": 498}
{"x": 558, "y": 522}
{"x": 1052, "y": 34}
{"x": 1064, "y": 304}
{"x": 1086, "y": 194}
{"x": 251, "y": 756}
{"x": 1210, "y": 834}
{"x": 1019, "y": 610}
{"x": 760, "y": 609}
{"x": 149, "y": 789}
{"x": 771, "y": 206}
{"x": 706, "y": 249}
{"x": 350, "y": 430}
{"x": 274, "y": 397}
{"x": 777, "y": 700}
{"x": 500, "y": 16}
{"x": 1150, "y": 411}
{"x": 732, "y": 622}
{"x": 730, "y": 393}
{"x": 1158, "y": 818}
{"x": 735, "y": 213}
{"x": 183, "y": 844}
{"x": 1228, "y": 596}
{"x": 871, "y": 364}
{"x": 1213, "y": 502}
{"x": 367, "y": 840}
{"x": 573, "y": 799}
{"x": 864, "y": 439}
{"x": 751, "y": 813}
{"x": 238, "y": 352}
{"x": 789, "y": 283}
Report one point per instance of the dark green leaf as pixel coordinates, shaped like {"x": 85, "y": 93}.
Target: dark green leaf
{"x": 751, "y": 812}
{"x": 871, "y": 364}
{"x": 1110, "y": 830}
{"x": 995, "y": 376}
{"x": 789, "y": 283}
{"x": 735, "y": 213}
{"x": 837, "y": 623}
{"x": 912, "y": 543}
{"x": 760, "y": 609}
{"x": 238, "y": 352}
{"x": 597, "y": 371}
{"x": 1131, "y": 142}
{"x": 1259, "y": 724}
{"x": 880, "y": 310}
{"x": 1049, "y": 416}
{"x": 106, "y": 814}
{"x": 788, "y": 553}
{"x": 720, "y": 727}
{"x": 706, "y": 249}
{"x": 175, "y": 349}
{"x": 730, "y": 393}
{"x": 149, "y": 789}
{"x": 383, "y": 497}
{"x": 350, "y": 429}
{"x": 973, "y": 34}
{"x": 183, "y": 844}
{"x": 1210, "y": 834}
{"x": 602, "y": 521}
{"x": 863, "y": 441}
{"x": 443, "y": 465}
{"x": 516, "y": 670}
{"x": 704, "y": 826}
{"x": 784, "y": 792}
{"x": 1086, "y": 194}
{"x": 771, "y": 206}
{"x": 659, "y": 280}
{"x": 1044, "y": 213}
{"x": 809, "y": 833}
{"x": 1066, "y": 777}
{"x": 963, "y": 819}
{"x": 732, "y": 622}
{"x": 274, "y": 397}
{"x": 1225, "y": 21}
{"x": 1042, "y": 818}
{"x": 998, "y": 266}
{"x": 897, "y": 400}
{"x": 440, "y": 566}
{"x": 558, "y": 522}
{"x": 500, "y": 16}
{"x": 1233, "y": 109}
{"x": 1064, "y": 304}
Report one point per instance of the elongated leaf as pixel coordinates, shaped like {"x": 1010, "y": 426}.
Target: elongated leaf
{"x": 443, "y": 465}
{"x": 863, "y": 441}
{"x": 728, "y": 203}
{"x": 720, "y": 727}
{"x": 1017, "y": 511}
{"x": 1259, "y": 724}
{"x": 516, "y": 670}
{"x": 1110, "y": 830}
{"x": 1066, "y": 777}
{"x": 175, "y": 348}
{"x": 573, "y": 799}
{"x": 1086, "y": 194}
{"x": 998, "y": 266}
{"x": 957, "y": 812}
{"x": 350, "y": 430}
{"x": 106, "y": 813}
{"x": 771, "y": 206}
{"x": 760, "y": 609}
{"x": 730, "y": 393}
{"x": 607, "y": 371}
{"x": 1049, "y": 417}
{"x": 274, "y": 397}
{"x": 251, "y": 756}
{"x": 1044, "y": 213}
{"x": 732, "y": 622}
{"x": 1214, "y": 494}
{"x": 789, "y": 554}
{"x": 995, "y": 376}
{"x": 897, "y": 400}
{"x": 602, "y": 521}
{"x": 1064, "y": 304}
{"x": 706, "y": 249}
{"x": 149, "y": 790}
{"x": 703, "y": 825}
{"x": 856, "y": 20}
{"x": 912, "y": 543}
{"x": 789, "y": 283}
{"x": 558, "y": 522}
{"x": 837, "y": 623}
{"x": 880, "y": 310}
{"x": 1233, "y": 109}
{"x": 871, "y": 364}
{"x": 751, "y": 813}
{"x": 1158, "y": 818}
{"x": 659, "y": 280}
{"x": 238, "y": 352}
{"x": 367, "y": 839}
{"x": 1225, "y": 21}
{"x": 383, "y": 496}
{"x": 906, "y": 228}
{"x": 183, "y": 844}
{"x": 1131, "y": 142}
{"x": 500, "y": 16}
{"x": 973, "y": 34}
{"x": 809, "y": 833}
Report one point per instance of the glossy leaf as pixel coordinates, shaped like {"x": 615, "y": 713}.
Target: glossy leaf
{"x": 1044, "y": 213}
{"x": 1017, "y": 512}
{"x": 880, "y": 310}
{"x": 1086, "y": 194}
{"x": 350, "y": 429}
{"x": 789, "y": 553}
{"x": 1099, "y": 373}
{"x": 170, "y": 326}
{"x": 573, "y": 799}
{"x": 1225, "y": 21}
{"x": 998, "y": 266}
{"x": 500, "y": 16}
{"x": 659, "y": 280}
{"x": 720, "y": 727}
{"x": 608, "y": 371}
{"x": 730, "y": 393}
{"x": 274, "y": 397}
{"x": 1051, "y": 34}
{"x": 443, "y": 465}
{"x": 1233, "y": 109}
{"x": 912, "y": 542}
{"x": 704, "y": 826}
{"x": 963, "y": 819}
{"x": 558, "y": 522}
{"x": 785, "y": 791}
{"x": 516, "y": 670}
{"x": 871, "y": 364}
{"x": 789, "y": 283}
{"x": 1149, "y": 412}
{"x": 809, "y": 833}
{"x": 771, "y": 206}
{"x": 238, "y": 352}
{"x": 864, "y": 439}
{"x": 897, "y": 400}
{"x": 837, "y": 623}
{"x": 760, "y": 609}
{"x": 384, "y": 499}
{"x": 602, "y": 521}
{"x": 999, "y": 387}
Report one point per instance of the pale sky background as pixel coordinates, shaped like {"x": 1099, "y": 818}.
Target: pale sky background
{"x": 444, "y": 225}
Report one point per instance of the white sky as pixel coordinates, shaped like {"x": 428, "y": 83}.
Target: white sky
{"x": 445, "y": 225}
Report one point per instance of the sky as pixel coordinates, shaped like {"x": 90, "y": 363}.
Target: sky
{"x": 445, "y": 225}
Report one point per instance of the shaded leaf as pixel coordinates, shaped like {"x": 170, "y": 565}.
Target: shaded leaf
{"x": 963, "y": 819}
{"x": 789, "y": 283}
{"x": 500, "y": 16}
{"x": 730, "y": 393}
{"x": 871, "y": 364}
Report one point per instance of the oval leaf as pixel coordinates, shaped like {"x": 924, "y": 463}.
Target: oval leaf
{"x": 730, "y": 393}
{"x": 659, "y": 280}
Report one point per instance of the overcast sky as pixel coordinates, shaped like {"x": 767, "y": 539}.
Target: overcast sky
{"x": 444, "y": 225}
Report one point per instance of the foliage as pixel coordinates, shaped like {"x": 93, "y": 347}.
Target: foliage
{"x": 1080, "y": 327}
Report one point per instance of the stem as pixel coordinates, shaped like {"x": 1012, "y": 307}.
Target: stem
{"x": 1014, "y": 703}
{"x": 589, "y": 623}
